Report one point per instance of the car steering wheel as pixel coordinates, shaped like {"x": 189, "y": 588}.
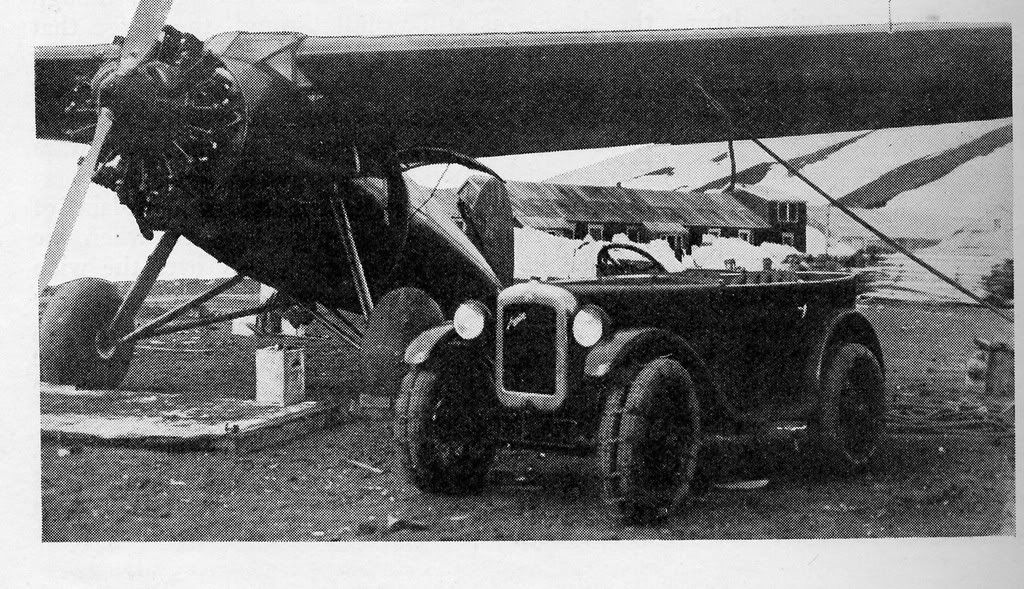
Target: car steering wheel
{"x": 609, "y": 265}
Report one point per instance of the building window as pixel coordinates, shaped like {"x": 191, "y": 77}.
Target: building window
{"x": 744, "y": 234}
{"x": 712, "y": 234}
{"x": 596, "y": 232}
{"x": 789, "y": 212}
{"x": 788, "y": 239}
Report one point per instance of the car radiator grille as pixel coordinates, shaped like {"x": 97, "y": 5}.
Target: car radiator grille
{"x": 529, "y": 348}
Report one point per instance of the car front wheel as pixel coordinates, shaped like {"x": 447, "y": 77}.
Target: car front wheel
{"x": 650, "y": 438}
{"x": 443, "y": 426}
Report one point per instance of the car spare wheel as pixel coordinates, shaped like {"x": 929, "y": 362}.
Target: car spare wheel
{"x": 847, "y": 424}
{"x": 444, "y": 424}
{"x": 75, "y": 314}
{"x": 650, "y": 437}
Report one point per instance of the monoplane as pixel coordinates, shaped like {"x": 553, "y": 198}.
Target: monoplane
{"x": 283, "y": 155}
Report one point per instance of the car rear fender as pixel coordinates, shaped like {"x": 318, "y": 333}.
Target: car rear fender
{"x": 640, "y": 344}
{"x": 842, "y": 327}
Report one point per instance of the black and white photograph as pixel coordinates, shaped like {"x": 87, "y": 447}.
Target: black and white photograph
{"x": 594, "y": 275}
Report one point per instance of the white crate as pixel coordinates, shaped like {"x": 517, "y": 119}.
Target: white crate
{"x": 280, "y": 376}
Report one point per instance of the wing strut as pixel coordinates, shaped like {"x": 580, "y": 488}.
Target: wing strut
{"x": 355, "y": 264}
{"x": 717, "y": 106}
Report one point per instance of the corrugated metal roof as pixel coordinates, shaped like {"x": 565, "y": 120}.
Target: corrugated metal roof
{"x": 611, "y": 204}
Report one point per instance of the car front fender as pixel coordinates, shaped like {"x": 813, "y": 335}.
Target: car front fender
{"x": 647, "y": 343}
{"x": 622, "y": 345}
{"x": 422, "y": 348}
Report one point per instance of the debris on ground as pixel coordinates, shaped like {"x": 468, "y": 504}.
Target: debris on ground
{"x": 396, "y": 524}
{"x": 367, "y": 528}
{"x": 937, "y": 415}
{"x": 364, "y": 466}
{"x": 743, "y": 485}
{"x": 939, "y": 493}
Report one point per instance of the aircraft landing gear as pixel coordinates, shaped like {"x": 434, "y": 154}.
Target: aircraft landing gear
{"x": 75, "y": 316}
{"x": 87, "y": 334}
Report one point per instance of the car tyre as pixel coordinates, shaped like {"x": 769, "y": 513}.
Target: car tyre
{"x": 76, "y": 313}
{"x": 847, "y": 424}
{"x": 443, "y": 426}
{"x": 650, "y": 439}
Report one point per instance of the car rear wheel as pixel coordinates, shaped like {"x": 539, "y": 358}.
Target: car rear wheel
{"x": 851, "y": 410}
{"x": 74, "y": 316}
{"x": 443, "y": 426}
{"x": 650, "y": 438}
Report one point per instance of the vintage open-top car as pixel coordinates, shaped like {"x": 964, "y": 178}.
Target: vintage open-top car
{"x": 648, "y": 370}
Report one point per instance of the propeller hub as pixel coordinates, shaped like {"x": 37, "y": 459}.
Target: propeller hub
{"x": 138, "y": 99}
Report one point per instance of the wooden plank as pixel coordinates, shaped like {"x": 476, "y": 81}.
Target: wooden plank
{"x": 278, "y": 430}
{"x": 159, "y": 432}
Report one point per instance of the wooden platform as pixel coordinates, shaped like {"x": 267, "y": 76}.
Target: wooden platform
{"x": 173, "y": 421}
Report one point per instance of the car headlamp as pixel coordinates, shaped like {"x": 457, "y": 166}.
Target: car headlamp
{"x": 589, "y": 325}
{"x": 470, "y": 319}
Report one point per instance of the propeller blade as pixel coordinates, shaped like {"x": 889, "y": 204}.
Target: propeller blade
{"x": 147, "y": 24}
{"x": 73, "y": 201}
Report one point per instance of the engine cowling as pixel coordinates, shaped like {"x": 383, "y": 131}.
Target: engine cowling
{"x": 197, "y": 123}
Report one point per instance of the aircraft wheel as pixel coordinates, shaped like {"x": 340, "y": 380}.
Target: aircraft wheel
{"x": 76, "y": 313}
{"x": 444, "y": 426}
{"x": 650, "y": 437}
{"x": 397, "y": 319}
{"x": 847, "y": 425}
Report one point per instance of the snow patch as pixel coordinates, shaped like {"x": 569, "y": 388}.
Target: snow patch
{"x": 540, "y": 255}
{"x": 745, "y": 254}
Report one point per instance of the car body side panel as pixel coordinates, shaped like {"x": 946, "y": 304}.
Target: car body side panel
{"x": 753, "y": 338}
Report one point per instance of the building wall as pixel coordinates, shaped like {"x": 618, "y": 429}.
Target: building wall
{"x": 610, "y": 229}
{"x": 784, "y": 217}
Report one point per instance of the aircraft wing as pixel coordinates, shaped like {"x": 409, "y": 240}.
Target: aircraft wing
{"x": 58, "y": 71}
{"x": 497, "y": 94}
